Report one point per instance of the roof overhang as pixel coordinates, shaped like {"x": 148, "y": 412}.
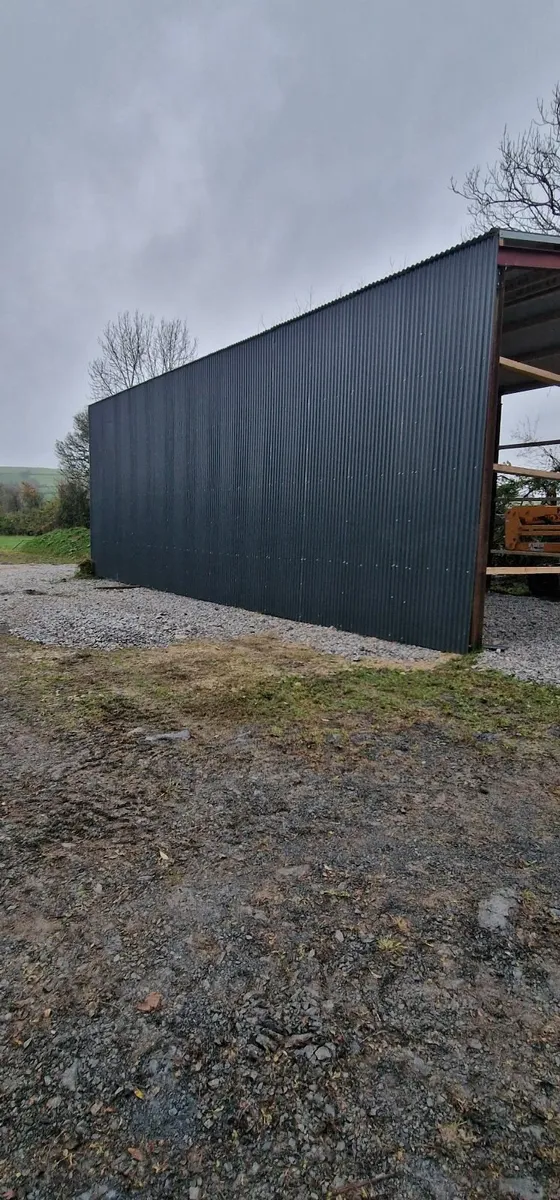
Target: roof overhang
{"x": 531, "y": 317}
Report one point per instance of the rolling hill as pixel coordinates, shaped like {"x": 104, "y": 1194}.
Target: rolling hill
{"x": 44, "y": 479}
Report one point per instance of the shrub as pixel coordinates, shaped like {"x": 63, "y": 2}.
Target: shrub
{"x": 73, "y": 504}
{"x": 34, "y": 520}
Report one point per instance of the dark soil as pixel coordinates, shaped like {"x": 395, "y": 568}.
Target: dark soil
{"x": 325, "y": 1015}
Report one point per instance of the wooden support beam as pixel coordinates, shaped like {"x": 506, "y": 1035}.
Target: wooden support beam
{"x": 532, "y": 472}
{"x": 511, "y": 364}
{"x": 523, "y": 570}
{"x": 537, "y": 259}
{"x": 531, "y": 529}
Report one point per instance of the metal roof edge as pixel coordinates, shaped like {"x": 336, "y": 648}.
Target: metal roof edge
{"x": 516, "y": 238}
{"x": 368, "y": 287}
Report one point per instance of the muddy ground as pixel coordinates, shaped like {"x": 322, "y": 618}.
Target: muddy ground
{"x": 228, "y": 970}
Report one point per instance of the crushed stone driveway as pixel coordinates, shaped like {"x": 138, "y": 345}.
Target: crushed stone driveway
{"x": 48, "y": 604}
{"x": 226, "y": 974}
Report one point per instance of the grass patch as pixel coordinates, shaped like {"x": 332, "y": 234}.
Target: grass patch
{"x": 454, "y": 696}
{"x": 59, "y": 546}
{"x": 292, "y": 694}
{"x": 10, "y": 541}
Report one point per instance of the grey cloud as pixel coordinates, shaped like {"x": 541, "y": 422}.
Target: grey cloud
{"x": 217, "y": 158}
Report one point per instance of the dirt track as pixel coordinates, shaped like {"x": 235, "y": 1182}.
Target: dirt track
{"x": 333, "y": 1019}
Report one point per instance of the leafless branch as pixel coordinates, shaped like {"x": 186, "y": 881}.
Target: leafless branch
{"x": 521, "y": 190}
{"x": 305, "y": 306}
{"x": 542, "y": 456}
{"x": 134, "y": 348}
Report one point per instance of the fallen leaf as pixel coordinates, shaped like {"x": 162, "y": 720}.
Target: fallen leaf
{"x": 152, "y": 1002}
{"x": 136, "y": 1153}
{"x": 164, "y": 857}
{"x": 138, "y": 1092}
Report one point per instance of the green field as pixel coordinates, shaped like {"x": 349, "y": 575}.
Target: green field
{"x": 45, "y": 479}
{"x": 62, "y": 545}
{"x": 9, "y": 542}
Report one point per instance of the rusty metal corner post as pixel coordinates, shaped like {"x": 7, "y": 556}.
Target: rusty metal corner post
{"x": 491, "y": 442}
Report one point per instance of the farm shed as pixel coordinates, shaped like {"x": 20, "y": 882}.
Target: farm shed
{"x": 338, "y": 468}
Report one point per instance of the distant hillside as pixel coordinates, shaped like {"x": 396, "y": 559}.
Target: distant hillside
{"x": 44, "y": 479}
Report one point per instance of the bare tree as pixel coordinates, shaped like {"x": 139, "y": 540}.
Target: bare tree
{"x": 522, "y": 189}
{"x": 134, "y": 348}
{"x": 306, "y": 306}
{"x": 542, "y": 456}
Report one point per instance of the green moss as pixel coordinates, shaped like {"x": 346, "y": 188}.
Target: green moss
{"x": 86, "y": 568}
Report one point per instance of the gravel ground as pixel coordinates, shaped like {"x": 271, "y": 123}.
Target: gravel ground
{"x": 525, "y": 635}
{"x": 225, "y": 974}
{"x": 47, "y": 604}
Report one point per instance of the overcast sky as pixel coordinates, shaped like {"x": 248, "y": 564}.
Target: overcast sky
{"x": 217, "y": 159}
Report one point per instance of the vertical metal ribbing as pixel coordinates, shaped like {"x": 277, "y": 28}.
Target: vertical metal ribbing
{"x": 328, "y": 470}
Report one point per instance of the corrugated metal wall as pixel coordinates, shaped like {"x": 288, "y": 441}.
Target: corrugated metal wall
{"x": 328, "y": 470}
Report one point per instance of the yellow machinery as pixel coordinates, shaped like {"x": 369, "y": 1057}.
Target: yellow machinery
{"x": 534, "y": 528}
{"x": 532, "y": 531}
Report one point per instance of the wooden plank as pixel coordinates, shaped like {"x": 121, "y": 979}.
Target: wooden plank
{"x": 523, "y": 570}
{"x": 511, "y": 364}
{"x": 532, "y": 472}
{"x": 538, "y": 533}
{"x": 528, "y": 553}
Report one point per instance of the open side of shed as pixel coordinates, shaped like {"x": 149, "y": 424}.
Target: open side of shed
{"x": 525, "y": 357}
